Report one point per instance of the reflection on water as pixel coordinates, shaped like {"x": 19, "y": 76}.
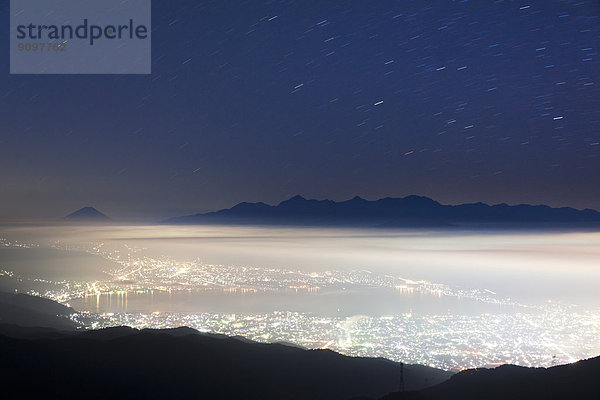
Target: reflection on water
{"x": 376, "y": 302}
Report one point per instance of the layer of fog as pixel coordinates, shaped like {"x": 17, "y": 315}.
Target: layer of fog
{"x": 527, "y": 266}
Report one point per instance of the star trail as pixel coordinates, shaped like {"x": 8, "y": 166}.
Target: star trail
{"x": 461, "y": 101}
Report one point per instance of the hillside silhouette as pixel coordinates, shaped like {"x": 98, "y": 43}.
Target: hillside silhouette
{"x": 126, "y": 363}
{"x": 571, "y": 381}
{"x": 50, "y": 357}
{"x": 30, "y": 311}
{"x": 410, "y": 211}
{"x": 182, "y": 363}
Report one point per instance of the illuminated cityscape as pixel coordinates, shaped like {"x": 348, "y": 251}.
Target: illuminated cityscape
{"x": 516, "y": 333}
{"x": 443, "y": 341}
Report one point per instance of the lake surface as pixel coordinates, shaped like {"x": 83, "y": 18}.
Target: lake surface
{"x": 374, "y": 302}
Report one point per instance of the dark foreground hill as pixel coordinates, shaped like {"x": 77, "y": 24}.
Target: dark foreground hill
{"x": 580, "y": 381}
{"x": 182, "y": 363}
{"x": 176, "y": 363}
{"x": 30, "y": 311}
{"x": 411, "y": 211}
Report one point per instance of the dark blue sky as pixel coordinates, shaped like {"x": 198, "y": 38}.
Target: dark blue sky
{"x": 494, "y": 101}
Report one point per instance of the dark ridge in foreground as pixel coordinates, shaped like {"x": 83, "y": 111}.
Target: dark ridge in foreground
{"x": 22, "y": 310}
{"x": 47, "y": 361}
{"x": 87, "y": 214}
{"x": 572, "y": 381}
{"x": 184, "y": 364}
{"x": 410, "y": 212}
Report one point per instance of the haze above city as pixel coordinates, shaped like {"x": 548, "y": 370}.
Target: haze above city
{"x": 448, "y": 299}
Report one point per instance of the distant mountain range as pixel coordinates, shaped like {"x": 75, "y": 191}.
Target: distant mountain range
{"x": 411, "y": 211}
{"x": 87, "y": 214}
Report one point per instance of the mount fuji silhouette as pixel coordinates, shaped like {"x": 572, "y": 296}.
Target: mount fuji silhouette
{"x": 87, "y": 214}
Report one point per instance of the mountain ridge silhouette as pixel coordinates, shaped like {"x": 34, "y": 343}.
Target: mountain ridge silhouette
{"x": 409, "y": 211}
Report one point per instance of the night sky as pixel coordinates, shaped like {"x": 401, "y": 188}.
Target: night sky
{"x": 461, "y": 101}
